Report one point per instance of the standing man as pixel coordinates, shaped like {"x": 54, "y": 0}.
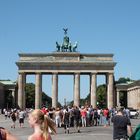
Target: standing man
{"x": 77, "y": 118}
{"x": 21, "y": 116}
{"x": 121, "y": 126}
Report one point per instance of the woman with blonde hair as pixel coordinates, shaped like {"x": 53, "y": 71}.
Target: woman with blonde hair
{"x": 41, "y": 124}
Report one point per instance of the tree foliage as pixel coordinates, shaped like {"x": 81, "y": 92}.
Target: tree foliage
{"x": 102, "y": 93}
{"x": 123, "y": 80}
{"x": 101, "y": 96}
{"x": 30, "y": 96}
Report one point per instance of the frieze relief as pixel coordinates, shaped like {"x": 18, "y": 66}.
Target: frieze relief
{"x": 63, "y": 59}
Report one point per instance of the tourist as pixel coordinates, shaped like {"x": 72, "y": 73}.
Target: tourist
{"x": 77, "y": 118}
{"x": 58, "y": 117}
{"x": 83, "y": 116}
{"x": 41, "y": 124}
{"x": 66, "y": 120}
{"x": 95, "y": 116}
{"x": 121, "y": 126}
{"x": 5, "y": 114}
{"x": 106, "y": 117}
{"x": 13, "y": 117}
{"x": 21, "y": 116}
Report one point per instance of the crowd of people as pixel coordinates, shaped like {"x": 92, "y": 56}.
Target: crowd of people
{"x": 44, "y": 121}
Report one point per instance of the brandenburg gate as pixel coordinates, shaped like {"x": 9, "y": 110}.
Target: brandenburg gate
{"x": 65, "y": 60}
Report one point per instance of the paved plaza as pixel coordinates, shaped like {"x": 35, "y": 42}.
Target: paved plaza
{"x": 96, "y": 133}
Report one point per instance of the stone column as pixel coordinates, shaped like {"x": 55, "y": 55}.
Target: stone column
{"x": 135, "y": 98}
{"x": 118, "y": 98}
{"x": 129, "y": 100}
{"x": 38, "y": 90}
{"x": 110, "y": 90}
{"x": 93, "y": 95}
{"x": 13, "y": 98}
{"x": 24, "y": 96}
{"x": 54, "y": 90}
{"x": 21, "y": 90}
{"x": 138, "y": 98}
{"x": 77, "y": 89}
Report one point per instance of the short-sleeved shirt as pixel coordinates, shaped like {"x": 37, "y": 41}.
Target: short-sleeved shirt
{"x": 120, "y": 124}
{"x": 77, "y": 114}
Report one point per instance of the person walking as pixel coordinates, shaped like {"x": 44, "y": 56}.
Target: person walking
{"x": 21, "y": 117}
{"x": 13, "y": 117}
{"x": 58, "y": 117}
{"x": 77, "y": 118}
{"x": 121, "y": 126}
{"x": 66, "y": 120}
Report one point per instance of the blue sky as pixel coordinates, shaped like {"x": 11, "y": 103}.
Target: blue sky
{"x": 99, "y": 26}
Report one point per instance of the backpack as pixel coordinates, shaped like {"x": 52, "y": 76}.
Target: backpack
{"x": 136, "y": 134}
{"x": 95, "y": 114}
{"x": 13, "y": 116}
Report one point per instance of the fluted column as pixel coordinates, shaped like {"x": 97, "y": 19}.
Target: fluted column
{"x": 13, "y": 98}
{"x": 128, "y": 98}
{"x": 54, "y": 90}
{"x": 77, "y": 89}
{"x": 24, "y": 96}
{"x": 38, "y": 90}
{"x": 110, "y": 91}
{"x": 118, "y": 98}
{"x": 135, "y": 98}
{"x": 21, "y": 90}
{"x": 138, "y": 98}
{"x": 93, "y": 90}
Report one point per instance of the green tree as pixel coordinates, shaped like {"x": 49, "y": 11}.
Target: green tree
{"x": 102, "y": 93}
{"x": 30, "y": 96}
{"x": 102, "y": 96}
{"x": 123, "y": 80}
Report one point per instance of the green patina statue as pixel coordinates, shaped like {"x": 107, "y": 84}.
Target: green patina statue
{"x": 66, "y": 45}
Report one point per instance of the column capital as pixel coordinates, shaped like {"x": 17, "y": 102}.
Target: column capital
{"x": 76, "y": 72}
{"x": 118, "y": 90}
{"x": 13, "y": 90}
{"x": 38, "y": 73}
{"x": 110, "y": 73}
{"x": 21, "y": 72}
{"x": 93, "y": 73}
{"x": 54, "y": 72}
